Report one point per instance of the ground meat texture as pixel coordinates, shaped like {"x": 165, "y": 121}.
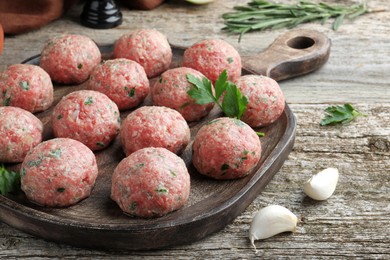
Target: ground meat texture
{"x": 87, "y": 116}
{"x": 148, "y": 47}
{"x": 19, "y": 132}
{"x": 26, "y": 86}
{"x": 171, "y": 89}
{"x": 58, "y": 173}
{"x": 69, "y": 59}
{"x": 266, "y": 100}
{"x": 150, "y": 183}
{"x": 226, "y": 148}
{"x": 123, "y": 81}
{"x": 154, "y": 126}
{"x": 211, "y": 57}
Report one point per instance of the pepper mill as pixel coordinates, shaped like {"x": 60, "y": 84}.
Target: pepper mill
{"x": 101, "y": 14}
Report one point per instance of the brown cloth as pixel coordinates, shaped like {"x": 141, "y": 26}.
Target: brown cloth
{"x": 1, "y": 39}
{"x": 19, "y": 16}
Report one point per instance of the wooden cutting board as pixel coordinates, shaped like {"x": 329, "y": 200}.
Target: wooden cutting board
{"x": 97, "y": 222}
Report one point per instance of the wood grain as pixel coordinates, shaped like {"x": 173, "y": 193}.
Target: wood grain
{"x": 292, "y": 54}
{"x": 97, "y": 222}
{"x": 354, "y": 222}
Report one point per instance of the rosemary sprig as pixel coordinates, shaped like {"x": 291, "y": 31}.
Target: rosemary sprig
{"x": 262, "y": 15}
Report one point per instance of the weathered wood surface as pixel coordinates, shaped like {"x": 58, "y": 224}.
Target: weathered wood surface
{"x": 355, "y": 221}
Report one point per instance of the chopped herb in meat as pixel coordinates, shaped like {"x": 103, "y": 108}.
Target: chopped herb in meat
{"x": 133, "y": 206}
{"x": 184, "y": 104}
{"x": 88, "y": 101}
{"x": 101, "y": 144}
{"x": 131, "y": 92}
{"x": 56, "y": 153}
{"x": 225, "y": 167}
{"x": 34, "y": 163}
{"x": 7, "y": 101}
{"x": 24, "y": 85}
{"x": 60, "y": 189}
{"x": 162, "y": 190}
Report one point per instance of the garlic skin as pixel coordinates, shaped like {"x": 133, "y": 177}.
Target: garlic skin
{"x": 322, "y": 185}
{"x": 270, "y": 221}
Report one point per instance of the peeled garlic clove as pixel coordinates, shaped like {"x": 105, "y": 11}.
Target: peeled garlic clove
{"x": 271, "y": 220}
{"x": 200, "y": 2}
{"x": 322, "y": 185}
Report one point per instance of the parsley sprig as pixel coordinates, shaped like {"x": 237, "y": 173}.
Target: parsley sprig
{"x": 340, "y": 114}
{"x": 9, "y": 181}
{"x": 233, "y": 102}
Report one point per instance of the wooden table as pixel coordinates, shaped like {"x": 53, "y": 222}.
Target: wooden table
{"x": 355, "y": 221}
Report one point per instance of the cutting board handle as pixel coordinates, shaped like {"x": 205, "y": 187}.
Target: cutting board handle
{"x": 292, "y": 54}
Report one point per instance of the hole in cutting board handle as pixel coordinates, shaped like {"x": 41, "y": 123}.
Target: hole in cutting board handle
{"x": 300, "y": 42}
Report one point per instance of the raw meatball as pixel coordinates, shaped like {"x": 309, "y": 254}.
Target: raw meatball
{"x": 213, "y": 56}
{"x": 148, "y": 47}
{"x": 58, "y": 173}
{"x": 153, "y": 126}
{"x": 87, "y": 116}
{"x": 19, "y": 132}
{"x": 150, "y": 183}
{"x": 69, "y": 59}
{"x": 171, "y": 91}
{"x": 266, "y": 100}
{"x": 26, "y": 86}
{"x": 226, "y": 148}
{"x": 123, "y": 81}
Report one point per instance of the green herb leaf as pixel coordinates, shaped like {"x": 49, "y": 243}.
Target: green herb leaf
{"x": 9, "y": 181}
{"x": 35, "y": 163}
{"x": 101, "y": 144}
{"x": 340, "y": 115}
{"x": 133, "y": 206}
{"x": 233, "y": 104}
{"x": 225, "y": 167}
{"x": 80, "y": 66}
{"x": 220, "y": 84}
{"x": 339, "y": 20}
{"x": 88, "y": 101}
{"x": 131, "y": 93}
{"x": 24, "y": 85}
{"x": 202, "y": 91}
{"x": 7, "y": 101}
{"x": 60, "y": 189}
{"x": 261, "y": 15}
{"x": 162, "y": 190}
{"x": 260, "y": 134}
{"x": 56, "y": 153}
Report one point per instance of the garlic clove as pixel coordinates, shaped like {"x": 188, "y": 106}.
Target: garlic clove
{"x": 322, "y": 185}
{"x": 270, "y": 221}
{"x": 200, "y": 2}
